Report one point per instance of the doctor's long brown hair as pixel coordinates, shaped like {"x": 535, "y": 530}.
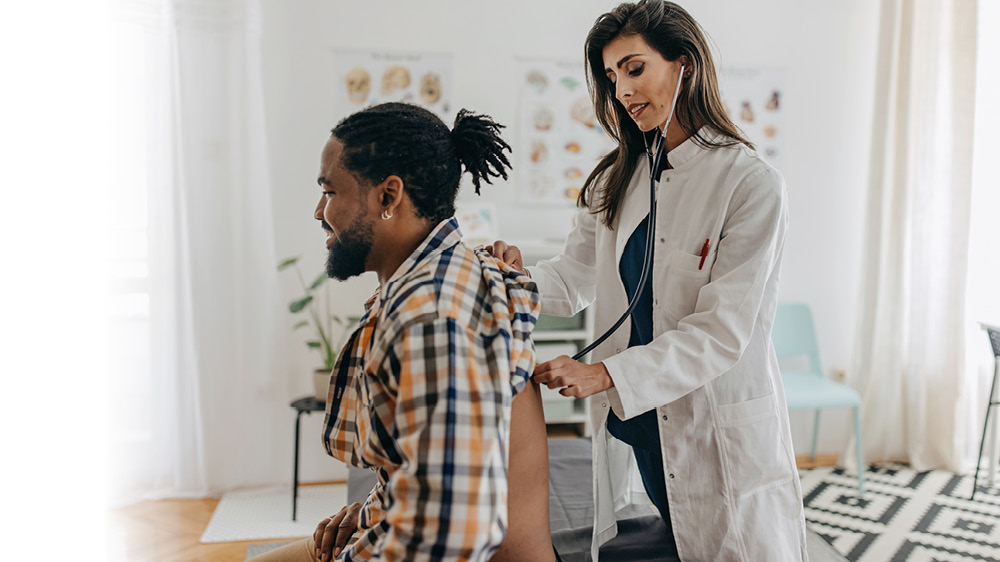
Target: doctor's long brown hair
{"x": 670, "y": 30}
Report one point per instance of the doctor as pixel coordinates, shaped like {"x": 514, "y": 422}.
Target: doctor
{"x": 688, "y": 389}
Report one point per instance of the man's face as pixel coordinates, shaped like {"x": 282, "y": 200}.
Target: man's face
{"x": 343, "y": 212}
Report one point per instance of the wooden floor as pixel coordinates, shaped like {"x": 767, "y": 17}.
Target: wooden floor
{"x": 168, "y": 530}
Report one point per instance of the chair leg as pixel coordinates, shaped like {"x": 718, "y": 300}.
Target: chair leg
{"x": 992, "y": 440}
{"x": 991, "y": 453}
{"x": 986, "y": 425}
{"x": 859, "y": 450}
{"x": 812, "y": 454}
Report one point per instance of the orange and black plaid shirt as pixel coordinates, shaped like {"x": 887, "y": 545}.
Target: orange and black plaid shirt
{"x": 421, "y": 394}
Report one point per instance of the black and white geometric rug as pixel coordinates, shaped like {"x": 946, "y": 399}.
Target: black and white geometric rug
{"x": 904, "y": 515}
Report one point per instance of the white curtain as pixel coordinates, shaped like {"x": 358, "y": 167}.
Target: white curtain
{"x": 213, "y": 414}
{"x": 909, "y": 355}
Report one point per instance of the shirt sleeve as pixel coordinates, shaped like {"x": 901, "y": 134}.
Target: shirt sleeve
{"x": 446, "y": 501}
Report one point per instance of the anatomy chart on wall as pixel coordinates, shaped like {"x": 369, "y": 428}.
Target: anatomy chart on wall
{"x": 478, "y": 222}
{"x": 559, "y": 140}
{"x": 367, "y": 78}
{"x": 753, "y": 100}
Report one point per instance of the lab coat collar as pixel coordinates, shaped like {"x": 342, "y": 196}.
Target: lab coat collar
{"x": 685, "y": 152}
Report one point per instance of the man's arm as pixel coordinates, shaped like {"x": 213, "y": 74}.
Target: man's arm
{"x": 447, "y": 499}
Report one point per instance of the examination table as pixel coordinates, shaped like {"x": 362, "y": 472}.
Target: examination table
{"x": 571, "y": 512}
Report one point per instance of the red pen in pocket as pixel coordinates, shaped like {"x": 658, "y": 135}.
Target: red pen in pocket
{"x": 704, "y": 254}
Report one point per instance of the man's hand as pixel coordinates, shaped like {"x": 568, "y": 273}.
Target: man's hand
{"x": 511, "y": 255}
{"x": 332, "y": 533}
{"x": 572, "y": 377}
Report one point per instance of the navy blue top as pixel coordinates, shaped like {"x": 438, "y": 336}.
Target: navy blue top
{"x": 640, "y": 431}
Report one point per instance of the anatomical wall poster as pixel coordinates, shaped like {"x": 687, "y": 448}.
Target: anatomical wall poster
{"x": 368, "y": 78}
{"x": 559, "y": 140}
{"x": 753, "y": 99}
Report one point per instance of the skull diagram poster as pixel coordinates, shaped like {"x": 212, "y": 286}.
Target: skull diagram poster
{"x": 368, "y": 78}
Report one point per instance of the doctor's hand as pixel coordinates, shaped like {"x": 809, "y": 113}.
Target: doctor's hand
{"x": 573, "y": 378}
{"x": 511, "y": 255}
{"x": 332, "y": 533}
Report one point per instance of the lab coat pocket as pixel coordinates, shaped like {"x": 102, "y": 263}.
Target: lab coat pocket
{"x": 753, "y": 448}
{"x": 683, "y": 281}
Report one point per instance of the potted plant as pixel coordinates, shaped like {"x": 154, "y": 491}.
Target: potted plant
{"x": 321, "y": 324}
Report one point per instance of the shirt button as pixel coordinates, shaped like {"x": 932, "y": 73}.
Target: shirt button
{"x": 663, "y": 240}
{"x": 619, "y": 350}
{"x": 656, "y": 302}
{"x": 604, "y": 404}
{"x": 664, "y": 418}
{"x": 671, "y": 475}
{"x": 668, "y": 178}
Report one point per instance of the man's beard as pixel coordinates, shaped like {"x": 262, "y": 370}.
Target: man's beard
{"x": 350, "y": 250}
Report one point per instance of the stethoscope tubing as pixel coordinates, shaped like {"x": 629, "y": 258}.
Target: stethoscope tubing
{"x": 654, "y": 165}
{"x": 647, "y": 264}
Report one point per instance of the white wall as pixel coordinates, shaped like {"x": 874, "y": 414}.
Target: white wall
{"x": 827, "y": 48}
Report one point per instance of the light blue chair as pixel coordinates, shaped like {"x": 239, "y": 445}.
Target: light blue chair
{"x": 806, "y": 388}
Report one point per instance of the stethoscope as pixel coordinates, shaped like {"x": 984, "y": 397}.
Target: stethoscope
{"x": 659, "y": 145}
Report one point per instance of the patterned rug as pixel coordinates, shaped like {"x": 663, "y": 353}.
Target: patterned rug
{"x": 904, "y": 515}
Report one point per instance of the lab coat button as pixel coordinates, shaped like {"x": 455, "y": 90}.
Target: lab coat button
{"x": 656, "y": 302}
{"x": 668, "y": 178}
{"x": 664, "y": 417}
{"x": 604, "y": 404}
{"x": 662, "y": 240}
{"x": 671, "y": 475}
{"x": 619, "y": 350}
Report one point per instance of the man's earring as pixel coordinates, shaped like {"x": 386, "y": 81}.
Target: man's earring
{"x": 386, "y": 215}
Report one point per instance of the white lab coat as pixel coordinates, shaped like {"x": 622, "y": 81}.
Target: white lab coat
{"x": 710, "y": 371}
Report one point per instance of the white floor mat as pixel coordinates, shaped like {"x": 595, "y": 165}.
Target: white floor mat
{"x": 267, "y": 513}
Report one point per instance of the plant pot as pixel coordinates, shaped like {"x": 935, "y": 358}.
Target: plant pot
{"x": 321, "y": 384}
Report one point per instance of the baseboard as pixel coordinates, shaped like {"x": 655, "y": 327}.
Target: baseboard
{"x": 803, "y": 461}
{"x": 324, "y": 483}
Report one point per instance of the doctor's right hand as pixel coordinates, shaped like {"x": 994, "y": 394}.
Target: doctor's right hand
{"x": 511, "y": 255}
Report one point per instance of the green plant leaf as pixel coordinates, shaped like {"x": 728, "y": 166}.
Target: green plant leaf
{"x": 287, "y": 263}
{"x": 298, "y": 305}
{"x": 301, "y": 324}
{"x": 331, "y": 359}
{"x": 314, "y": 344}
{"x": 319, "y": 281}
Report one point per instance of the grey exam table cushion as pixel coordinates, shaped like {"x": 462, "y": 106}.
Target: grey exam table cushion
{"x": 641, "y": 532}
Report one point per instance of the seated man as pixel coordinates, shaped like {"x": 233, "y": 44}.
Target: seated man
{"x": 432, "y": 390}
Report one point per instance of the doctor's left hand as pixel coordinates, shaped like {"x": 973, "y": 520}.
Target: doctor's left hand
{"x": 573, "y": 378}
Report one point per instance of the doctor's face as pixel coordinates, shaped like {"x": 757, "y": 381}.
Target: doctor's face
{"x": 644, "y": 81}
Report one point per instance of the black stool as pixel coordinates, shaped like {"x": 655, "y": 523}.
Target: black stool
{"x": 994, "y": 333}
{"x": 302, "y": 406}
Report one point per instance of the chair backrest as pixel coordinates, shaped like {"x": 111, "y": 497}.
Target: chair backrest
{"x": 994, "y": 333}
{"x": 794, "y": 338}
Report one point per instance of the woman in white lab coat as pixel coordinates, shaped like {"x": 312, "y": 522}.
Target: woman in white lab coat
{"x": 688, "y": 389}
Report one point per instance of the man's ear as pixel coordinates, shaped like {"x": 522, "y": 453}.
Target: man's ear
{"x": 390, "y": 194}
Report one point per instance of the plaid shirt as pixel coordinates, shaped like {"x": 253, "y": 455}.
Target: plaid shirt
{"x": 421, "y": 394}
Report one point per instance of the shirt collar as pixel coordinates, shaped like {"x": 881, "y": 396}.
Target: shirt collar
{"x": 445, "y": 235}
